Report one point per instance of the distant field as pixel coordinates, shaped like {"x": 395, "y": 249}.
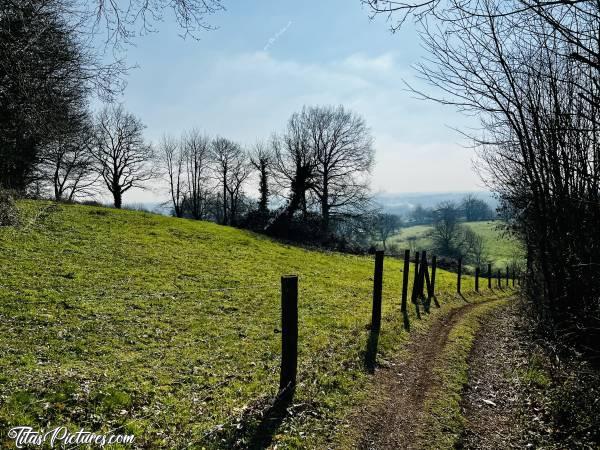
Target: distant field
{"x": 501, "y": 248}
{"x": 169, "y": 328}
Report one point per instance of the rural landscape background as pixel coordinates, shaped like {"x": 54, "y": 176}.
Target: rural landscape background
{"x": 354, "y": 225}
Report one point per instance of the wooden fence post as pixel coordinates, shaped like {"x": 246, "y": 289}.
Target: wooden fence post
{"x": 499, "y": 280}
{"x": 458, "y": 275}
{"x": 424, "y": 281}
{"x": 513, "y": 277}
{"x": 405, "y": 279}
{"x": 433, "y": 268}
{"x": 289, "y": 336}
{"x": 489, "y": 276}
{"x": 507, "y": 277}
{"x": 377, "y": 290}
{"x": 415, "y": 279}
{"x": 477, "y": 279}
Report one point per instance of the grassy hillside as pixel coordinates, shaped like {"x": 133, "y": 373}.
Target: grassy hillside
{"x": 169, "y": 328}
{"x": 501, "y": 248}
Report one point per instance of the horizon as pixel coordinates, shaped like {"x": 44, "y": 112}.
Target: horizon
{"x": 264, "y": 61}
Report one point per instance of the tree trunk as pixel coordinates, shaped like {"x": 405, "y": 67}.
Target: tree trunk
{"x": 325, "y": 203}
{"x": 118, "y": 198}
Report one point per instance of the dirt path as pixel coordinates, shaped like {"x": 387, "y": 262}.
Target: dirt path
{"x": 393, "y": 419}
{"x": 493, "y": 395}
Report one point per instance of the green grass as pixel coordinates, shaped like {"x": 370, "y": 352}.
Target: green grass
{"x": 169, "y": 328}
{"x": 500, "y": 248}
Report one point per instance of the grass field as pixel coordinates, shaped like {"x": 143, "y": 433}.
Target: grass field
{"x": 168, "y": 328}
{"x": 500, "y": 248}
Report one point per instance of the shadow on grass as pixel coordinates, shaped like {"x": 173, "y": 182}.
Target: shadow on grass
{"x": 272, "y": 418}
{"x": 370, "y": 360}
{"x": 256, "y": 427}
{"x": 463, "y": 297}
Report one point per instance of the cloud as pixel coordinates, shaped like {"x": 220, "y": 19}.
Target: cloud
{"x": 249, "y": 95}
{"x": 362, "y": 62}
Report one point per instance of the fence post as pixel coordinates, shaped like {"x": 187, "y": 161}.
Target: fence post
{"x": 477, "y": 279}
{"x": 499, "y": 280}
{"x": 415, "y": 279}
{"x": 405, "y": 279}
{"x": 459, "y": 274}
{"x": 507, "y": 276}
{"x": 489, "y": 276}
{"x": 424, "y": 276}
{"x": 289, "y": 335}
{"x": 377, "y": 290}
{"x": 433, "y": 267}
{"x": 513, "y": 277}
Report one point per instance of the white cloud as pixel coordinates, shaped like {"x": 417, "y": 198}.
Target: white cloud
{"x": 249, "y": 95}
{"x": 362, "y": 62}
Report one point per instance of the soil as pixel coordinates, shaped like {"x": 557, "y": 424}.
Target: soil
{"x": 492, "y": 398}
{"x": 392, "y": 420}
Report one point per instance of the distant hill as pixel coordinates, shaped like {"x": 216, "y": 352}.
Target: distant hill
{"x": 403, "y": 203}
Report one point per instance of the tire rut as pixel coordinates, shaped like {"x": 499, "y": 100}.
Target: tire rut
{"x": 393, "y": 419}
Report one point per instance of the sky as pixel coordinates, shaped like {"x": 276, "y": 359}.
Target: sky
{"x": 267, "y": 58}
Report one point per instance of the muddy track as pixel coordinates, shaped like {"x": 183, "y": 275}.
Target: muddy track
{"x": 393, "y": 419}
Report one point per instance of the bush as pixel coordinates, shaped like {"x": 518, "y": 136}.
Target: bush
{"x": 9, "y": 214}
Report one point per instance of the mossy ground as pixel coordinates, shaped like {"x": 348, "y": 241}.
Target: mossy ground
{"x": 169, "y": 328}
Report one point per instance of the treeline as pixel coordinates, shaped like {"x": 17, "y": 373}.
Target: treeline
{"x": 312, "y": 178}
{"x": 470, "y": 209}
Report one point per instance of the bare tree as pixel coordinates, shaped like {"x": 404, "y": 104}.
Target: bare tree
{"x": 475, "y": 249}
{"x": 476, "y": 209}
{"x": 421, "y": 215}
{"x": 262, "y": 159}
{"x": 196, "y": 149}
{"x": 386, "y": 225}
{"x": 122, "y": 154}
{"x": 343, "y": 150}
{"x": 68, "y": 163}
{"x": 231, "y": 170}
{"x": 46, "y": 74}
{"x": 447, "y": 233}
{"x": 295, "y": 165}
{"x": 172, "y": 158}
{"x": 122, "y": 20}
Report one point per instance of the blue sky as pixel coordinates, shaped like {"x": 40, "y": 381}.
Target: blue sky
{"x": 267, "y": 59}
